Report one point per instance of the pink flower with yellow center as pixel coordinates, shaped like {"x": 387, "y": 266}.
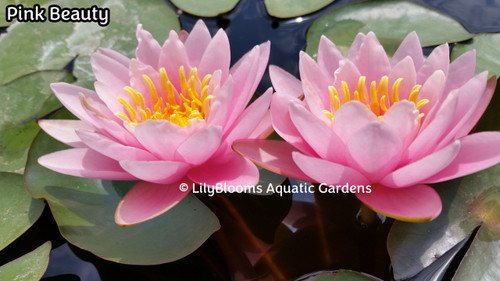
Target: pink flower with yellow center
{"x": 165, "y": 118}
{"x": 395, "y": 124}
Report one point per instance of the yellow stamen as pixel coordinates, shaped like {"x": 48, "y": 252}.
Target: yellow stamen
{"x": 167, "y": 102}
{"x": 380, "y": 98}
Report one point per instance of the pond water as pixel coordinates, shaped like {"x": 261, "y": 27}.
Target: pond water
{"x": 324, "y": 231}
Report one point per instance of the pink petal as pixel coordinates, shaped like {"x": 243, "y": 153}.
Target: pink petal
{"x": 417, "y": 203}
{"x": 247, "y": 73}
{"x": 197, "y": 42}
{"x": 406, "y": 70}
{"x": 137, "y": 71}
{"x": 439, "y": 59}
{"x": 372, "y": 60}
{"x": 328, "y": 55}
{"x": 315, "y": 81}
{"x": 272, "y": 155}
{"x": 461, "y": 70}
{"x": 349, "y": 73}
{"x": 146, "y": 200}
{"x": 173, "y": 55}
{"x": 250, "y": 118}
{"x": 113, "y": 149}
{"x": 109, "y": 71}
{"x": 469, "y": 97}
{"x": 162, "y": 172}
{"x": 326, "y": 172}
{"x": 481, "y": 107}
{"x": 477, "y": 152}
{"x": 284, "y": 82}
{"x": 161, "y": 137}
{"x": 264, "y": 128}
{"x": 200, "y": 146}
{"x": 422, "y": 169}
{"x": 350, "y": 118}
{"x": 375, "y": 149}
{"x": 70, "y": 96}
{"x": 283, "y": 125}
{"x": 317, "y": 134}
{"x": 84, "y": 162}
{"x": 217, "y": 56}
{"x": 428, "y": 137}
{"x": 109, "y": 96}
{"x": 356, "y": 44}
{"x": 221, "y": 104}
{"x": 115, "y": 56}
{"x": 402, "y": 119}
{"x": 148, "y": 49}
{"x": 409, "y": 47}
{"x": 229, "y": 170}
{"x": 432, "y": 90}
{"x": 64, "y": 130}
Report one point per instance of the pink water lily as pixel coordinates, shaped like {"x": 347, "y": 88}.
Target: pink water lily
{"x": 166, "y": 118}
{"x": 396, "y": 124}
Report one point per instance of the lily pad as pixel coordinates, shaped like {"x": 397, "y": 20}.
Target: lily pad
{"x": 29, "y": 267}
{"x": 25, "y": 100}
{"x": 468, "y": 202}
{"x": 294, "y": 8}
{"x": 25, "y": 3}
{"x": 18, "y": 211}
{"x": 487, "y": 52}
{"x": 341, "y": 275}
{"x": 84, "y": 211}
{"x": 390, "y": 20}
{"x": 206, "y": 8}
{"x": 29, "y": 47}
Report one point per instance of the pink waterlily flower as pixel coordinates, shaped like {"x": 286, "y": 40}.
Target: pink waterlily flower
{"x": 396, "y": 124}
{"x": 166, "y": 118}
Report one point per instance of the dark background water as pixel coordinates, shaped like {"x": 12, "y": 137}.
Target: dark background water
{"x": 247, "y": 25}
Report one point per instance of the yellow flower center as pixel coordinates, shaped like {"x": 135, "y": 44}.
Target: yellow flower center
{"x": 380, "y": 97}
{"x": 167, "y": 103}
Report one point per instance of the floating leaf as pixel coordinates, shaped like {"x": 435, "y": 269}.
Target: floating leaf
{"x": 18, "y": 211}
{"x": 25, "y": 100}
{"x": 25, "y": 3}
{"x": 206, "y": 8}
{"x": 390, "y": 20}
{"x": 487, "y": 52}
{"x": 28, "y": 47}
{"x": 84, "y": 211}
{"x": 341, "y": 275}
{"x": 29, "y": 267}
{"x": 467, "y": 203}
{"x": 294, "y": 8}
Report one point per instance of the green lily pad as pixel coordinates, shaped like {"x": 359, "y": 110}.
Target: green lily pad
{"x": 294, "y": 8}
{"x": 25, "y": 3}
{"x": 29, "y": 47}
{"x": 468, "y": 202}
{"x": 18, "y": 211}
{"x": 341, "y": 275}
{"x": 24, "y": 101}
{"x": 390, "y": 20}
{"x": 206, "y": 8}
{"x": 29, "y": 267}
{"x": 487, "y": 52}
{"x": 84, "y": 211}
